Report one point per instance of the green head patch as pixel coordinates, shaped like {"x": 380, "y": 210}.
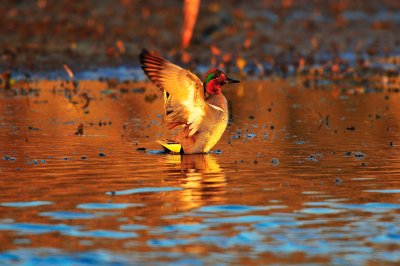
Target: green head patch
{"x": 211, "y": 74}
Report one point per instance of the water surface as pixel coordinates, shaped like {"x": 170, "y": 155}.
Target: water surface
{"x": 300, "y": 176}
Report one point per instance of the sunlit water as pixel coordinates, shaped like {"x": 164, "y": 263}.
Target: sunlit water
{"x": 300, "y": 176}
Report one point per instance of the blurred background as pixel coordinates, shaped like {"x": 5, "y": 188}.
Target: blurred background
{"x": 261, "y": 38}
{"x": 307, "y": 170}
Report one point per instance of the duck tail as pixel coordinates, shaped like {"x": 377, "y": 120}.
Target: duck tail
{"x": 170, "y": 145}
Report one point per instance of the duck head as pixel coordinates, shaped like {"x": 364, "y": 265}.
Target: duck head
{"x": 214, "y": 79}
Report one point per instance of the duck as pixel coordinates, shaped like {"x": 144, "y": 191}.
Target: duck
{"x": 198, "y": 107}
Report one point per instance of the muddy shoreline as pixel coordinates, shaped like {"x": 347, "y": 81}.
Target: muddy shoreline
{"x": 257, "y": 38}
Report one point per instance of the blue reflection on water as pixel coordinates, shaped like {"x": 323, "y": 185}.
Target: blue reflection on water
{"x": 51, "y": 257}
{"x": 143, "y": 190}
{"x": 190, "y": 228}
{"x": 375, "y": 207}
{"x": 320, "y": 211}
{"x": 279, "y": 233}
{"x": 168, "y": 242}
{"x": 106, "y": 206}
{"x": 32, "y": 228}
{"x": 68, "y": 230}
{"x": 25, "y": 204}
{"x": 236, "y": 208}
{"x": 389, "y": 191}
{"x": 237, "y": 219}
{"x": 67, "y": 215}
{"x": 102, "y": 234}
{"x": 133, "y": 227}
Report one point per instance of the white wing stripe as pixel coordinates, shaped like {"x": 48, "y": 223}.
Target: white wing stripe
{"x": 216, "y": 107}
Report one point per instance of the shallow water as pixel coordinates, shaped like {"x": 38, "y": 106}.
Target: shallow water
{"x": 300, "y": 175}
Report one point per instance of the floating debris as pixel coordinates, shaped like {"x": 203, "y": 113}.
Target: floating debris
{"x": 338, "y": 181}
{"x": 139, "y": 90}
{"x": 274, "y": 162}
{"x": 79, "y": 130}
{"x": 314, "y": 157}
{"x": 324, "y": 120}
{"x": 123, "y": 90}
{"x": 33, "y": 162}
{"x": 250, "y": 136}
{"x": 150, "y": 98}
{"x": 359, "y": 155}
{"x": 216, "y": 151}
{"x": 9, "y": 158}
{"x": 347, "y": 153}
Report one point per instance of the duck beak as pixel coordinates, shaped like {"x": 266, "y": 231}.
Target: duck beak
{"x": 229, "y": 80}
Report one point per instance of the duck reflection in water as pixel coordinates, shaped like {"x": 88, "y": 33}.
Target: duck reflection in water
{"x": 202, "y": 177}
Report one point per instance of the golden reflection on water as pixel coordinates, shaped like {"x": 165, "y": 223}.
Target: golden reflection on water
{"x": 201, "y": 173}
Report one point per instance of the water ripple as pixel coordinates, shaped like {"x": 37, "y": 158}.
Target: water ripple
{"x": 107, "y": 206}
{"x": 143, "y": 190}
{"x": 67, "y": 215}
{"x": 33, "y": 228}
{"x": 388, "y": 191}
{"x": 52, "y": 256}
{"x": 102, "y": 234}
{"x": 237, "y": 208}
{"x": 26, "y": 204}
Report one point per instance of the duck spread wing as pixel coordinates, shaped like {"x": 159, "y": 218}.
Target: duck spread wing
{"x": 184, "y": 94}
